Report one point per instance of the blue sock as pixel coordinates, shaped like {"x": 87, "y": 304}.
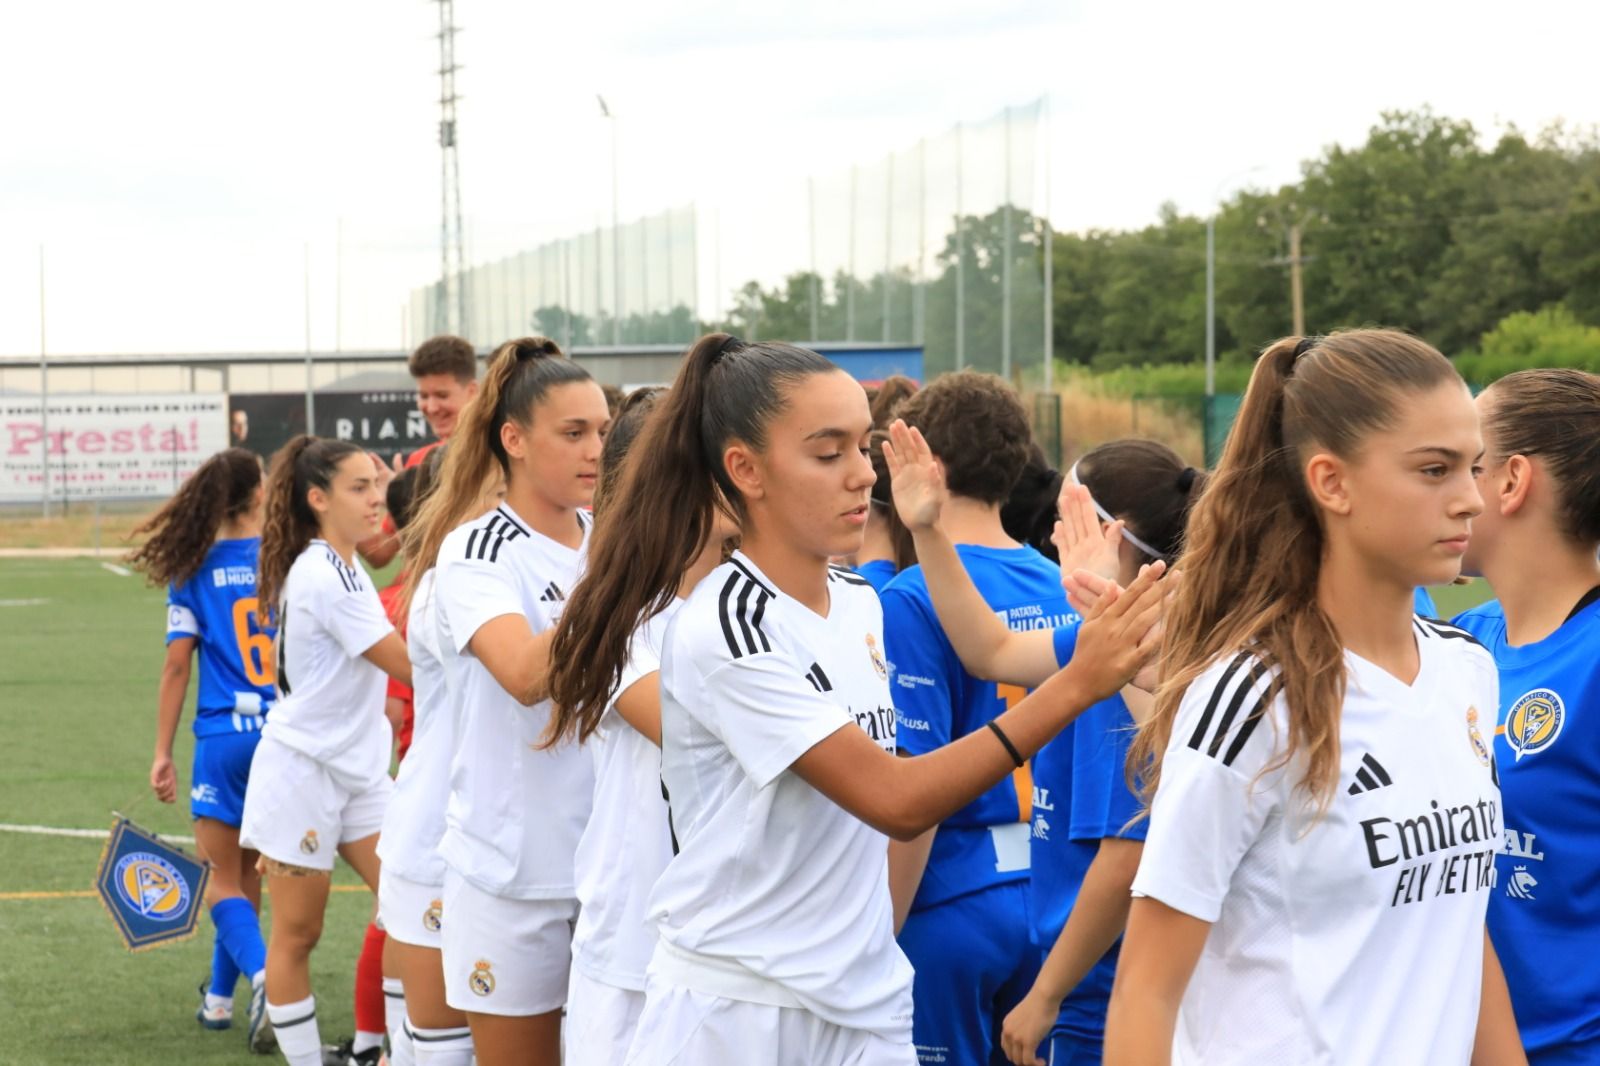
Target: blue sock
{"x": 239, "y": 933}
{"x": 224, "y": 972}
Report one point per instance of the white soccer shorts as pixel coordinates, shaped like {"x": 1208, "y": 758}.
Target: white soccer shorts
{"x": 296, "y": 813}
{"x": 509, "y": 957}
{"x": 411, "y": 912}
{"x": 601, "y": 1020}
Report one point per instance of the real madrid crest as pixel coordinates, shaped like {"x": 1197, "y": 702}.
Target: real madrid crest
{"x": 309, "y": 843}
{"x": 877, "y": 657}
{"x": 431, "y": 917}
{"x": 482, "y": 980}
{"x": 1479, "y": 748}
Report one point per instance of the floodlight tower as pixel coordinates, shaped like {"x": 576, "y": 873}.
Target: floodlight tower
{"x": 450, "y": 298}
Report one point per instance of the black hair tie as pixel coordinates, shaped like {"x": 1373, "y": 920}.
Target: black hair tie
{"x": 730, "y": 344}
{"x": 1305, "y": 345}
{"x": 1186, "y": 479}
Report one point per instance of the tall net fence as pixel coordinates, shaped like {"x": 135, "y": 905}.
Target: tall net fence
{"x": 942, "y": 244}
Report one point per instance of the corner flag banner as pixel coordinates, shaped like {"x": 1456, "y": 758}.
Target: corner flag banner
{"x": 153, "y": 891}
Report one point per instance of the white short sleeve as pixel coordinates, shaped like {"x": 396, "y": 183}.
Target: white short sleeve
{"x": 767, "y": 715}
{"x": 1213, "y": 801}
{"x": 356, "y": 619}
{"x": 471, "y": 592}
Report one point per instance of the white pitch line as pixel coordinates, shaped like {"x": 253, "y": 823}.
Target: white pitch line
{"x": 87, "y": 834}
{"x": 120, "y": 571}
{"x": 23, "y": 603}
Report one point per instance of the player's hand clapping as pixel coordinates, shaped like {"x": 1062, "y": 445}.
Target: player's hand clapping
{"x": 1120, "y": 635}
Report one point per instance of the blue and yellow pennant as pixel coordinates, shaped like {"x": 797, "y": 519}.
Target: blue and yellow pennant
{"x": 153, "y": 891}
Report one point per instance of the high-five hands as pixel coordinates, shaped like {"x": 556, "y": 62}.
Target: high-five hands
{"x": 1082, "y": 544}
{"x": 916, "y": 477}
{"x": 1120, "y": 634}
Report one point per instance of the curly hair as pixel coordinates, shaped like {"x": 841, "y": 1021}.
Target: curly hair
{"x": 444, "y": 354}
{"x": 978, "y": 429}
{"x": 181, "y": 532}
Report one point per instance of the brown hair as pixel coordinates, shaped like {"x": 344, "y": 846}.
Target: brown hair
{"x": 1555, "y": 415}
{"x": 224, "y": 487}
{"x": 1029, "y": 513}
{"x": 1144, "y": 483}
{"x": 662, "y": 510}
{"x": 520, "y": 373}
{"x": 979, "y": 430}
{"x": 1255, "y": 540}
{"x": 894, "y": 391}
{"x": 290, "y": 524}
{"x": 900, "y": 541}
{"x": 444, "y": 355}
{"x": 632, "y": 417}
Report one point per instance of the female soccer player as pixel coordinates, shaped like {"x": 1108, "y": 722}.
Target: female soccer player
{"x": 202, "y": 545}
{"x": 775, "y": 940}
{"x": 966, "y": 883}
{"x": 627, "y": 842}
{"x": 320, "y": 778}
{"x": 1084, "y": 849}
{"x": 1325, "y": 812}
{"x": 502, "y": 578}
{"x": 1536, "y": 542}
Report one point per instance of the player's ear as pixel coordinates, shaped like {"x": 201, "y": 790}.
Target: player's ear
{"x": 1326, "y": 482}
{"x": 512, "y": 439}
{"x": 318, "y": 499}
{"x": 1514, "y": 485}
{"x": 745, "y": 470}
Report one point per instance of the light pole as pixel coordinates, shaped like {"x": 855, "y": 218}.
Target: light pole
{"x": 1211, "y": 278}
{"x": 616, "y": 233}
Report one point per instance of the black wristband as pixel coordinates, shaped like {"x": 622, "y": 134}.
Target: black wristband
{"x": 1011, "y": 749}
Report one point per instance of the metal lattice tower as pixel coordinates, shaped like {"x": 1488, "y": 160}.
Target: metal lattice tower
{"x": 450, "y": 298}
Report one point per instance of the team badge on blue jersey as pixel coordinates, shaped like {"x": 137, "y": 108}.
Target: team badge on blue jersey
{"x": 1479, "y": 748}
{"x": 1534, "y": 722}
{"x": 152, "y": 890}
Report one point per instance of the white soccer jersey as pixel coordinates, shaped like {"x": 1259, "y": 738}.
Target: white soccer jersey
{"x": 627, "y": 842}
{"x": 330, "y": 704}
{"x": 414, "y": 822}
{"x": 1356, "y": 938}
{"x": 777, "y": 895}
{"x": 515, "y": 813}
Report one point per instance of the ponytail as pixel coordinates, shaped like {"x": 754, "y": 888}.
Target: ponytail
{"x": 655, "y": 524}
{"x": 290, "y": 525}
{"x": 520, "y": 373}
{"x": 181, "y": 532}
{"x": 1254, "y": 543}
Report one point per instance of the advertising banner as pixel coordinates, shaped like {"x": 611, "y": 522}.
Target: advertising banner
{"x": 386, "y": 422}
{"x": 106, "y": 447}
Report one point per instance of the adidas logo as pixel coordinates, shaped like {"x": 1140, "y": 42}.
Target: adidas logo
{"x": 818, "y": 679}
{"x": 1370, "y": 776}
{"x": 552, "y": 594}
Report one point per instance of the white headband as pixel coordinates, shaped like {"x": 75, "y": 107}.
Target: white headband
{"x": 1106, "y": 516}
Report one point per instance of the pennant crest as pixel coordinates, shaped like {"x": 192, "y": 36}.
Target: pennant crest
{"x": 153, "y": 891}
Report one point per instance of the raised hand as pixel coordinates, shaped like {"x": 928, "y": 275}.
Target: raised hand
{"x": 1082, "y": 543}
{"x": 1120, "y": 635}
{"x": 915, "y": 476}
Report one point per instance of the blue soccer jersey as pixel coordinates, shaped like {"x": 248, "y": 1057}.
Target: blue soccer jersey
{"x": 878, "y": 572}
{"x": 1544, "y": 916}
{"x": 937, "y": 701}
{"x": 1422, "y": 603}
{"x": 218, "y": 607}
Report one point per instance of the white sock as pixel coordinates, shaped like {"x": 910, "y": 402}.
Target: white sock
{"x": 296, "y": 1026}
{"x": 214, "y": 1002}
{"x": 442, "y": 1047}
{"x": 365, "y": 1042}
{"x": 394, "y": 1019}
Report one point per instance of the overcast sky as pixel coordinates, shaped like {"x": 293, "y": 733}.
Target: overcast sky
{"x": 176, "y": 158}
